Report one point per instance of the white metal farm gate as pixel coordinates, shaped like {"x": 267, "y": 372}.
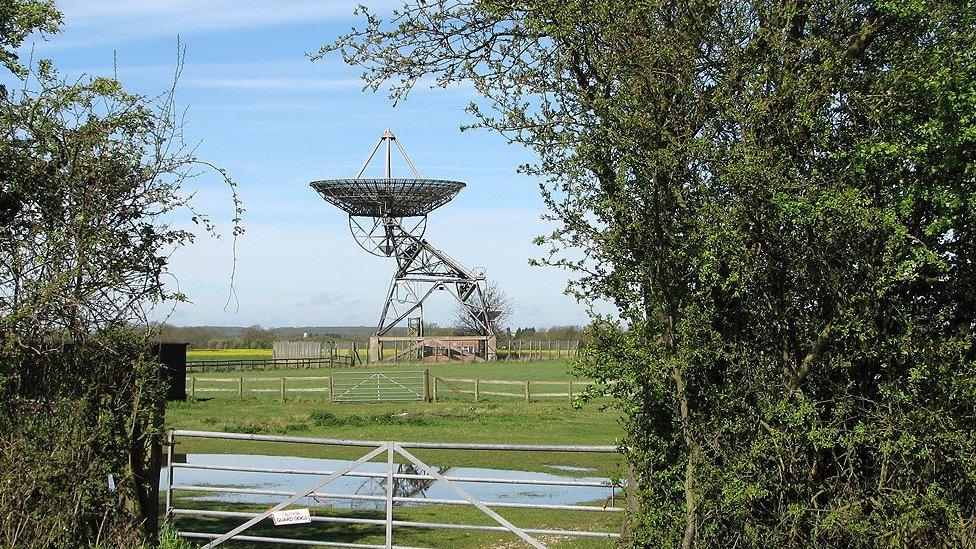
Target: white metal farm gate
{"x": 391, "y": 449}
{"x": 372, "y": 386}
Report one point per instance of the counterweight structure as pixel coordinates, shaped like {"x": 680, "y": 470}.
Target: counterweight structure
{"x": 388, "y": 218}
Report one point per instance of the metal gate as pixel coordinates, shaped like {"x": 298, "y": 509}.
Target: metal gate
{"x": 367, "y": 386}
{"x": 391, "y": 449}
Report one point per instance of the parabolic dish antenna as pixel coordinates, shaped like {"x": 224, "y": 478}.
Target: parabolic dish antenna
{"x": 388, "y": 217}
{"x": 387, "y": 197}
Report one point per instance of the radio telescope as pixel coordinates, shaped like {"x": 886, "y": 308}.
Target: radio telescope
{"x": 388, "y": 218}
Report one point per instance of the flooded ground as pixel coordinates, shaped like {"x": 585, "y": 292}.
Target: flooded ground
{"x": 298, "y": 474}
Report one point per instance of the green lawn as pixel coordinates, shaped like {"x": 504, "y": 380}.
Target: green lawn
{"x": 543, "y": 422}
{"x": 435, "y": 538}
{"x": 454, "y": 418}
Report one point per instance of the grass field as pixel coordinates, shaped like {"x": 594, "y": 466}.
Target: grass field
{"x": 454, "y": 418}
{"x": 370, "y": 534}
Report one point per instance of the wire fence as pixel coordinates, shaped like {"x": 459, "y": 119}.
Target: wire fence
{"x": 258, "y": 364}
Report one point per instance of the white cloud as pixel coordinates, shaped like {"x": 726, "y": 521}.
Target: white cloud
{"x": 140, "y": 19}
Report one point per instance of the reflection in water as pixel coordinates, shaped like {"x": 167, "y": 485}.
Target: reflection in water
{"x": 369, "y": 486}
{"x": 402, "y": 487}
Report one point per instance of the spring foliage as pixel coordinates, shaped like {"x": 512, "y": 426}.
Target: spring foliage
{"x": 779, "y": 200}
{"x": 91, "y": 177}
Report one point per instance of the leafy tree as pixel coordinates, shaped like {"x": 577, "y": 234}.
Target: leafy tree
{"x": 779, "y": 200}
{"x": 90, "y": 179}
{"x": 198, "y": 337}
{"x": 256, "y": 337}
{"x": 18, "y": 19}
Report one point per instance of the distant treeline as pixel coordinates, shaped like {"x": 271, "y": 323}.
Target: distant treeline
{"x": 258, "y": 337}
{"x": 250, "y": 337}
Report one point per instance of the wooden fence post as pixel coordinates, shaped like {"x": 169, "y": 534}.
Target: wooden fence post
{"x": 426, "y": 385}
{"x": 331, "y": 390}
{"x": 477, "y": 390}
{"x": 526, "y": 390}
{"x": 240, "y": 386}
{"x": 282, "y": 388}
{"x": 193, "y": 386}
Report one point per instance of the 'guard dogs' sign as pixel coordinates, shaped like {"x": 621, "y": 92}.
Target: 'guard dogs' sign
{"x": 291, "y": 516}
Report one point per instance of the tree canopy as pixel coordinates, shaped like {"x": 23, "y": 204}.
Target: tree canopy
{"x": 91, "y": 179}
{"x": 779, "y": 200}
{"x": 18, "y": 19}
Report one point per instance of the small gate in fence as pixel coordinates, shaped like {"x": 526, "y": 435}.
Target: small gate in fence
{"x": 392, "y": 482}
{"x": 367, "y": 386}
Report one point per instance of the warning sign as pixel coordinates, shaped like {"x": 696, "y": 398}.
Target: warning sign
{"x": 291, "y": 516}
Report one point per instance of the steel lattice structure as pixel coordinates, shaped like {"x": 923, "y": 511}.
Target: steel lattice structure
{"x": 388, "y": 218}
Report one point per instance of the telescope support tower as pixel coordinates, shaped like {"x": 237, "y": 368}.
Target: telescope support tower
{"x": 422, "y": 270}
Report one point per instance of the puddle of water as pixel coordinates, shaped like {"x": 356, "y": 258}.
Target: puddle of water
{"x": 515, "y": 493}
{"x": 570, "y": 468}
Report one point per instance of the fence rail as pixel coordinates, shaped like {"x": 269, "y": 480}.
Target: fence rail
{"x": 391, "y": 481}
{"x": 409, "y": 349}
{"x": 256, "y": 364}
{"x": 374, "y": 386}
{"x": 522, "y": 350}
{"x": 238, "y": 387}
{"x": 316, "y": 349}
{"x": 474, "y": 388}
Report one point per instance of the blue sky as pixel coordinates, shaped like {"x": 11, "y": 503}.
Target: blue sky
{"x": 276, "y": 121}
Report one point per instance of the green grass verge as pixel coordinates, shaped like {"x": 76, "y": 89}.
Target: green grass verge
{"x": 422, "y": 537}
{"x": 454, "y": 418}
{"x": 516, "y": 422}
